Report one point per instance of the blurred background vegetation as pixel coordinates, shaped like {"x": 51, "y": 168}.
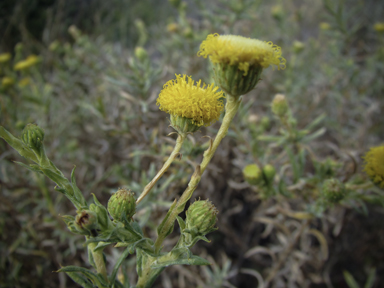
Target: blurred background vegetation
{"x": 91, "y": 74}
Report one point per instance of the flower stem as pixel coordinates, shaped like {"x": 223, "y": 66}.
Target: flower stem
{"x": 231, "y": 108}
{"x": 98, "y": 259}
{"x": 174, "y": 154}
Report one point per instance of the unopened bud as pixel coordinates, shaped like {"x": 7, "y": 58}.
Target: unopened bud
{"x": 123, "y": 201}
{"x": 333, "y": 190}
{"x": 141, "y": 54}
{"x": 298, "y": 46}
{"x": 280, "y": 105}
{"x": 201, "y": 218}
{"x": 269, "y": 173}
{"x": 33, "y": 136}
{"x": 252, "y": 174}
{"x": 86, "y": 221}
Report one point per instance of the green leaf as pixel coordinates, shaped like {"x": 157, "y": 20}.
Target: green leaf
{"x": 31, "y": 167}
{"x": 181, "y": 223}
{"x": 78, "y": 195}
{"x": 179, "y": 256}
{"x": 96, "y": 279}
{"x": 18, "y": 145}
{"x": 371, "y": 278}
{"x": 118, "y": 264}
{"x": 160, "y": 228}
{"x": 101, "y": 245}
{"x": 80, "y": 279}
{"x": 350, "y": 280}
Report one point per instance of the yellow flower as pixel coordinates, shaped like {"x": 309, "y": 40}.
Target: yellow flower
{"x": 24, "y": 82}
{"x": 325, "y": 26}
{"x": 172, "y": 27}
{"x": 379, "y": 27}
{"x": 29, "y": 62}
{"x": 374, "y": 165}
{"x": 183, "y": 98}
{"x": 7, "y": 82}
{"x": 5, "y": 57}
{"x": 241, "y": 51}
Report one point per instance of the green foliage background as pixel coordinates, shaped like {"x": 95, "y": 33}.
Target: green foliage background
{"x": 96, "y": 101}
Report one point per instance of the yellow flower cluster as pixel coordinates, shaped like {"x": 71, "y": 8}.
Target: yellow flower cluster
{"x": 241, "y": 51}
{"x": 182, "y": 97}
{"x": 29, "y": 62}
{"x": 5, "y": 57}
{"x": 374, "y": 165}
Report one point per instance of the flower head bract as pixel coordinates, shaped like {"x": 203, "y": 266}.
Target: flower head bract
{"x": 182, "y": 97}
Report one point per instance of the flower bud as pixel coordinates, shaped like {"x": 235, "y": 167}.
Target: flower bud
{"x": 7, "y": 82}
{"x": 269, "y": 173}
{"x": 86, "y": 221}
{"x": 141, "y": 54}
{"x": 33, "y": 136}
{"x": 298, "y": 46}
{"x": 279, "y": 105}
{"x": 122, "y": 201}
{"x": 333, "y": 190}
{"x": 379, "y": 27}
{"x": 201, "y": 218}
{"x": 277, "y": 12}
{"x": 252, "y": 174}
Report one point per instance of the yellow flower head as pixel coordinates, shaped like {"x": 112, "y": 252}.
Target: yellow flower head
{"x": 29, "y": 62}
{"x": 181, "y": 97}
{"x": 241, "y": 51}
{"x": 374, "y": 165}
{"x": 379, "y": 27}
{"x": 5, "y": 57}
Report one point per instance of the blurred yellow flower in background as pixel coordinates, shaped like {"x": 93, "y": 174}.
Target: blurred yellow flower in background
{"x": 374, "y": 165}
{"x": 241, "y": 51}
{"x": 29, "y": 62}
{"x": 379, "y": 27}
{"x": 7, "y": 82}
{"x": 5, "y": 57}
{"x": 182, "y": 97}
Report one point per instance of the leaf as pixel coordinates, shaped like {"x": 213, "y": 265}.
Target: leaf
{"x": 371, "y": 278}
{"x": 96, "y": 279}
{"x": 160, "y": 228}
{"x": 78, "y": 195}
{"x": 118, "y": 264}
{"x": 181, "y": 223}
{"x": 350, "y": 280}
{"x": 179, "y": 256}
{"x": 101, "y": 245}
{"x": 31, "y": 167}
{"x": 80, "y": 279}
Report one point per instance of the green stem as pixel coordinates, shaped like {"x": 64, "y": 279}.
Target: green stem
{"x": 231, "y": 108}
{"x": 98, "y": 258}
{"x": 175, "y": 153}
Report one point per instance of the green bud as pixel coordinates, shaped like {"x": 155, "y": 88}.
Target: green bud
{"x": 233, "y": 81}
{"x": 86, "y": 222}
{"x": 122, "y": 201}
{"x": 33, "y": 136}
{"x": 183, "y": 125}
{"x": 141, "y": 54}
{"x": 298, "y": 46}
{"x": 277, "y": 12}
{"x": 333, "y": 190}
{"x": 253, "y": 174}
{"x": 201, "y": 218}
{"x": 280, "y": 105}
{"x": 269, "y": 172}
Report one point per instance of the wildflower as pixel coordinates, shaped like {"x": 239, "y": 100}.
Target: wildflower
{"x": 182, "y": 98}
{"x": 7, "y": 82}
{"x": 29, "y": 62}
{"x": 379, "y": 27}
{"x": 374, "y": 165}
{"x": 325, "y": 26}
{"x": 238, "y": 61}
{"x": 172, "y": 27}
{"x": 5, "y": 57}
{"x": 24, "y": 81}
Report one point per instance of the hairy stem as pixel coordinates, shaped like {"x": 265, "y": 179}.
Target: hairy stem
{"x": 99, "y": 260}
{"x": 174, "y": 154}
